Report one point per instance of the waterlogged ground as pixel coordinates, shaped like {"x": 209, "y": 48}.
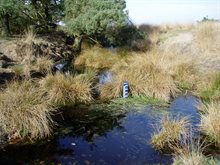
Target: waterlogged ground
{"x": 103, "y": 137}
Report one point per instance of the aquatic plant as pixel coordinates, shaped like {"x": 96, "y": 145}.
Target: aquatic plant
{"x": 169, "y": 131}
{"x": 66, "y": 90}
{"x": 25, "y": 111}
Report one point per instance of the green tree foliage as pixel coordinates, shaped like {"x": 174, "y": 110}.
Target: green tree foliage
{"x": 94, "y": 18}
{"x": 9, "y": 8}
{"x": 44, "y": 13}
{"x": 20, "y": 14}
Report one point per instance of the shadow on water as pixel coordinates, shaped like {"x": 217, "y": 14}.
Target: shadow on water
{"x": 91, "y": 136}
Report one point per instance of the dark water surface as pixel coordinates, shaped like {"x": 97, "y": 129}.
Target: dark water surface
{"x": 103, "y": 138}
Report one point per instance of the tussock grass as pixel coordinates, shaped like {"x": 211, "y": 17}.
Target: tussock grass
{"x": 208, "y": 36}
{"x": 24, "y": 110}
{"x": 29, "y": 61}
{"x": 191, "y": 153}
{"x": 211, "y": 89}
{"x": 210, "y": 125}
{"x": 169, "y": 132}
{"x": 146, "y": 76}
{"x": 42, "y": 65}
{"x": 66, "y": 90}
{"x": 184, "y": 72}
{"x": 98, "y": 58}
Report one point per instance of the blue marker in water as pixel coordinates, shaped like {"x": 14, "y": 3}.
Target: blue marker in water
{"x": 125, "y": 89}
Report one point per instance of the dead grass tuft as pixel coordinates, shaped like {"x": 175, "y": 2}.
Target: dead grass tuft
{"x": 208, "y": 36}
{"x": 146, "y": 76}
{"x": 97, "y": 58}
{"x": 64, "y": 90}
{"x": 169, "y": 132}
{"x": 210, "y": 125}
{"x": 24, "y": 110}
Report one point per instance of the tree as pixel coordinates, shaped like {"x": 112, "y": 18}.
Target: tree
{"x": 94, "y": 18}
{"x": 7, "y": 9}
{"x": 44, "y": 13}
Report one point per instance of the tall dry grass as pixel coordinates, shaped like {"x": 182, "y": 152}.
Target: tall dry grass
{"x": 66, "y": 90}
{"x": 29, "y": 61}
{"x": 190, "y": 152}
{"x": 24, "y": 110}
{"x": 170, "y": 131}
{"x": 209, "y": 87}
{"x": 98, "y": 58}
{"x": 210, "y": 126}
{"x": 154, "y": 74}
{"x": 207, "y": 36}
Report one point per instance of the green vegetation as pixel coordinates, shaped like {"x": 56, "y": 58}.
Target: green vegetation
{"x": 8, "y": 8}
{"x": 137, "y": 100}
{"x": 159, "y": 62}
{"x": 212, "y": 92}
{"x": 94, "y": 18}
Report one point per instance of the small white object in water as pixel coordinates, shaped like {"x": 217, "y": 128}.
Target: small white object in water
{"x": 73, "y": 144}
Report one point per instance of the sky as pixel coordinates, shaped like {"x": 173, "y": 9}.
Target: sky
{"x": 172, "y": 11}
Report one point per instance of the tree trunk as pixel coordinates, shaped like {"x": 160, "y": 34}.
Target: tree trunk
{"x": 77, "y": 44}
{"x": 47, "y": 15}
{"x": 5, "y": 25}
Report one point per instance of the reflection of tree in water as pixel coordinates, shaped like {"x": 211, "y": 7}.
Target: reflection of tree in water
{"x": 40, "y": 153}
{"x": 91, "y": 122}
{"x": 87, "y": 123}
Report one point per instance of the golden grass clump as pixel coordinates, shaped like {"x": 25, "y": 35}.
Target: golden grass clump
{"x": 210, "y": 125}
{"x": 170, "y": 131}
{"x": 184, "y": 72}
{"x": 97, "y": 58}
{"x": 24, "y": 110}
{"x": 43, "y": 65}
{"x": 146, "y": 76}
{"x": 65, "y": 90}
{"x": 209, "y": 87}
{"x": 208, "y": 36}
{"x": 192, "y": 154}
{"x": 30, "y": 61}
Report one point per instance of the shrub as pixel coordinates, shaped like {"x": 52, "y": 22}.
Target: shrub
{"x": 65, "y": 90}
{"x": 24, "y": 110}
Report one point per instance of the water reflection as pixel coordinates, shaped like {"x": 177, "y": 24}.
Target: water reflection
{"x": 91, "y": 136}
